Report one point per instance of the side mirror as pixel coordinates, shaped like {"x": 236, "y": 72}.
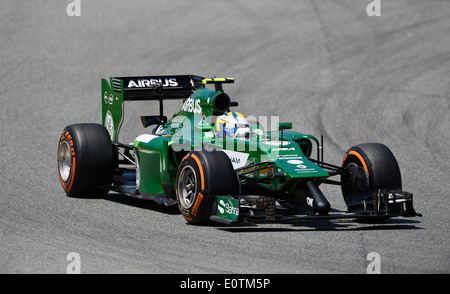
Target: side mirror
{"x": 149, "y": 120}
{"x": 285, "y": 126}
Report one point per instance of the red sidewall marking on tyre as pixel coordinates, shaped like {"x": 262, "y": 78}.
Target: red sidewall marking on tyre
{"x": 201, "y": 171}
{"x": 67, "y": 137}
{"x": 360, "y": 159}
{"x": 197, "y": 204}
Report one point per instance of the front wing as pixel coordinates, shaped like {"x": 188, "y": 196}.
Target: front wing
{"x": 376, "y": 206}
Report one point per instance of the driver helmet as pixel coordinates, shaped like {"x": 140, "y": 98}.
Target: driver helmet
{"x": 232, "y": 125}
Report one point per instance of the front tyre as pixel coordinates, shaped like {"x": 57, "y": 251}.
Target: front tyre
{"x": 85, "y": 160}
{"x": 370, "y": 166}
{"x": 200, "y": 176}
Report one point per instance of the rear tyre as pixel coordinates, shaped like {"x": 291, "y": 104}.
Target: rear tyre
{"x": 202, "y": 175}
{"x": 372, "y": 166}
{"x": 85, "y": 160}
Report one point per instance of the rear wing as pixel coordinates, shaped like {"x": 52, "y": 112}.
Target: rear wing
{"x": 140, "y": 88}
{"x": 156, "y": 87}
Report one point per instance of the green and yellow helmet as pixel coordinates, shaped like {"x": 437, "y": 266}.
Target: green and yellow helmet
{"x": 233, "y": 125}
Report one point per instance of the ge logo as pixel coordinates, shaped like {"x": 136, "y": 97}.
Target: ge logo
{"x": 109, "y": 99}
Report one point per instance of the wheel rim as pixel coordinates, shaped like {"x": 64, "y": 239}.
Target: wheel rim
{"x": 357, "y": 181}
{"x": 65, "y": 159}
{"x": 187, "y": 187}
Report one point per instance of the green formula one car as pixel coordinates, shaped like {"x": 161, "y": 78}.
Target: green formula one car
{"x": 216, "y": 164}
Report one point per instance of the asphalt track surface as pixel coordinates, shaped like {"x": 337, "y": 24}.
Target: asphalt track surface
{"x": 324, "y": 65}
